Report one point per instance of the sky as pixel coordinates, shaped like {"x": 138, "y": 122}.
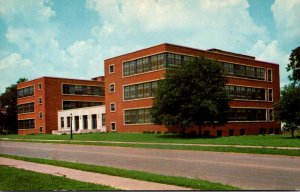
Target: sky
{"x": 72, "y": 38}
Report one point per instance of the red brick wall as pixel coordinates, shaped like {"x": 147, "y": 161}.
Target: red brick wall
{"x": 52, "y": 98}
{"x": 117, "y": 96}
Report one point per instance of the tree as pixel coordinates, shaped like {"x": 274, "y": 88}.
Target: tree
{"x": 8, "y": 100}
{"x": 192, "y": 95}
{"x": 294, "y": 65}
{"x": 288, "y": 108}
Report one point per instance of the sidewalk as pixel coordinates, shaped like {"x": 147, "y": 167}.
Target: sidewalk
{"x": 84, "y": 176}
{"x": 149, "y": 143}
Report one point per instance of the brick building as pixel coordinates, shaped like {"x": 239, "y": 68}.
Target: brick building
{"x": 131, "y": 79}
{"x": 40, "y": 99}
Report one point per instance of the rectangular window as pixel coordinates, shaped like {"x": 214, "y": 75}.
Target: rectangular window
{"x": 113, "y": 126}
{"x": 69, "y": 119}
{"x": 245, "y": 93}
{"x": 137, "y": 116}
{"x": 112, "y": 107}
{"x": 41, "y": 129}
{"x": 25, "y": 92}
{"x": 79, "y": 104}
{"x": 271, "y": 115}
{"x": 144, "y": 64}
{"x": 26, "y": 124}
{"x": 40, "y": 86}
{"x": 40, "y": 115}
{"x": 270, "y": 78}
{"x": 40, "y": 100}
{"x": 111, "y": 87}
{"x": 103, "y": 119}
{"x": 25, "y": 108}
{"x": 85, "y": 121}
{"x": 94, "y": 121}
{"x": 62, "y": 122}
{"x": 270, "y": 95}
{"x": 246, "y": 114}
{"x": 69, "y": 89}
{"x": 111, "y": 69}
{"x": 141, "y": 90}
{"x": 244, "y": 71}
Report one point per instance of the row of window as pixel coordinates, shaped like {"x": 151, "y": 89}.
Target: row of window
{"x": 141, "y": 90}
{"x": 137, "y": 116}
{"x": 246, "y": 93}
{"x": 159, "y": 61}
{"x": 79, "y": 104}
{"x": 141, "y": 116}
{"x": 245, "y": 114}
{"x": 244, "y": 71}
{"x": 26, "y": 124}
{"x": 26, "y": 108}
{"x": 25, "y": 92}
{"x": 82, "y": 90}
{"x": 145, "y": 64}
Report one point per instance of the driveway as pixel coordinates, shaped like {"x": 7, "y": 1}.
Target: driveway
{"x": 248, "y": 171}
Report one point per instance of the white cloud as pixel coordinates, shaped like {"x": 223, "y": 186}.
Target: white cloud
{"x": 30, "y": 9}
{"x": 272, "y": 52}
{"x": 198, "y": 23}
{"x": 13, "y": 60}
{"x": 286, "y": 15}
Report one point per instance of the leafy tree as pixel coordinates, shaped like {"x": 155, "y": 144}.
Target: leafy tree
{"x": 294, "y": 65}
{"x": 288, "y": 108}
{"x": 192, "y": 95}
{"x": 8, "y": 100}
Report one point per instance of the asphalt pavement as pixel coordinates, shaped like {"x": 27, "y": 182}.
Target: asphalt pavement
{"x": 248, "y": 171}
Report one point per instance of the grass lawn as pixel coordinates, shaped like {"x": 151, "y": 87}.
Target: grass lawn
{"x": 254, "y": 140}
{"x": 139, "y": 175}
{"x": 19, "y": 179}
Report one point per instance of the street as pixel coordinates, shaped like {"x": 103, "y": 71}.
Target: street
{"x": 248, "y": 171}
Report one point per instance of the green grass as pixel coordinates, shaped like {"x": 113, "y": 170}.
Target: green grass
{"x": 139, "y": 175}
{"x": 19, "y": 179}
{"x": 254, "y": 140}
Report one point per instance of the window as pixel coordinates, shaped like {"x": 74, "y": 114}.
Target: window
{"x": 270, "y": 95}
{"x": 112, "y": 107}
{"x": 111, "y": 69}
{"x": 244, "y": 71}
{"x": 69, "y": 89}
{"x": 85, "y": 121}
{"x": 69, "y": 121}
{"x": 270, "y": 78}
{"x": 39, "y": 86}
{"x": 245, "y": 93}
{"x": 103, "y": 119}
{"x": 40, "y": 115}
{"x": 113, "y": 126}
{"x": 144, "y": 64}
{"x": 79, "y": 104}
{"x": 41, "y": 129}
{"x": 25, "y": 92}
{"x": 62, "y": 122}
{"x": 271, "y": 114}
{"x": 141, "y": 90}
{"x": 40, "y": 100}
{"x": 246, "y": 114}
{"x": 111, "y": 87}
{"x": 26, "y": 124}
{"x": 137, "y": 116}
{"x": 94, "y": 121}
{"x": 26, "y": 108}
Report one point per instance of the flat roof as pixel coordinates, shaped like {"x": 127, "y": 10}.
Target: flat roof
{"x": 212, "y": 50}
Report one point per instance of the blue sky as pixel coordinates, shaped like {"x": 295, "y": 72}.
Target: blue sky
{"x": 71, "y": 38}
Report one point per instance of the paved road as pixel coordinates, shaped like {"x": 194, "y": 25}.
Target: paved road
{"x": 248, "y": 171}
